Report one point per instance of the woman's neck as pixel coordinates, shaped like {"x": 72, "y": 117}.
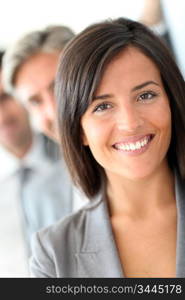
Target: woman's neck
{"x": 140, "y": 197}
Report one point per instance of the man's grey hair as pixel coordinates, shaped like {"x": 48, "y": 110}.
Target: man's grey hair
{"x": 51, "y": 39}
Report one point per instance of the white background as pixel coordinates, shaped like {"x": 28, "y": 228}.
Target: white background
{"x": 20, "y": 16}
{"x": 17, "y": 17}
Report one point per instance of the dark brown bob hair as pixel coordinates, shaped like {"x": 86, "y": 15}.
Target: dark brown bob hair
{"x": 81, "y": 67}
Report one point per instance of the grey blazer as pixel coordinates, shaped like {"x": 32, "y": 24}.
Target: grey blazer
{"x": 82, "y": 245}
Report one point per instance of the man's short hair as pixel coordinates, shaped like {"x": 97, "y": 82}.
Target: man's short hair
{"x": 49, "y": 40}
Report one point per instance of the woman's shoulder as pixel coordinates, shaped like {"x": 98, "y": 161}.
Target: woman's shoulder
{"x": 70, "y": 223}
{"x": 52, "y": 246}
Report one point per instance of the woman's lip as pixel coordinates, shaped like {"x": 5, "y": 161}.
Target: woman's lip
{"x": 134, "y": 139}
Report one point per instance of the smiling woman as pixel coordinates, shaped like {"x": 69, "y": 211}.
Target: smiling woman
{"x": 129, "y": 116}
{"x": 121, "y": 100}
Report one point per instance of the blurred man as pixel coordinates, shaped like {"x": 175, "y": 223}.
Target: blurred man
{"x": 25, "y": 158}
{"x": 29, "y": 70}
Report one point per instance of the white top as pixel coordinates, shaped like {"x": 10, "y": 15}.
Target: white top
{"x": 13, "y": 252}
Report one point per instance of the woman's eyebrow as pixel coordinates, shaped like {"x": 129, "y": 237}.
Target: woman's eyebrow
{"x": 102, "y": 97}
{"x": 142, "y": 85}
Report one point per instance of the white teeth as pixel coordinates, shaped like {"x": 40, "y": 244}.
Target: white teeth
{"x": 132, "y": 146}
{"x": 138, "y": 145}
{"x": 145, "y": 141}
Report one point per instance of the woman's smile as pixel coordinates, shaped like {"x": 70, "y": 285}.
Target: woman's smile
{"x": 134, "y": 145}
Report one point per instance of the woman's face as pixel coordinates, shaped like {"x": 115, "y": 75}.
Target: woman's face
{"x": 128, "y": 125}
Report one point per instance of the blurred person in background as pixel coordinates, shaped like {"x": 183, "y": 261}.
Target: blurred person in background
{"x": 29, "y": 69}
{"x": 153, "y": 16}
{"x": 29, "y": 72}
{"x": 25, "y": 157}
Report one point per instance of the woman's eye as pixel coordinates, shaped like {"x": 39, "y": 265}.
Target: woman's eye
{"x": 101, "y": 107}
{"x": 35, "y": 101}
{"x": 146, "y": 96}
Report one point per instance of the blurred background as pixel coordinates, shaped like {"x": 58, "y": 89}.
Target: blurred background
{"x": 21, "y": 16}
{"x": 18, "y": 17}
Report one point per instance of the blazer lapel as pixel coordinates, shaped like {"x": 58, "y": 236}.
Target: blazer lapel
{"x": 98, "y": 256}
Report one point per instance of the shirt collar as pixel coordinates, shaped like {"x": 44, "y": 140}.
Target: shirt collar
{"x": 35, "y": 158}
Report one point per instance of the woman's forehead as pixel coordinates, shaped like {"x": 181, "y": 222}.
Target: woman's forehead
{"x": 129, "y": 66}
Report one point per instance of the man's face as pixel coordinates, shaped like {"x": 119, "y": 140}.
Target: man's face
{"x": 34, "y": 84}
{"x": 14, "y": 122}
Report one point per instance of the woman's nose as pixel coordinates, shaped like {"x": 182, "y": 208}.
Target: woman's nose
{"x": 129, "y": 118}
